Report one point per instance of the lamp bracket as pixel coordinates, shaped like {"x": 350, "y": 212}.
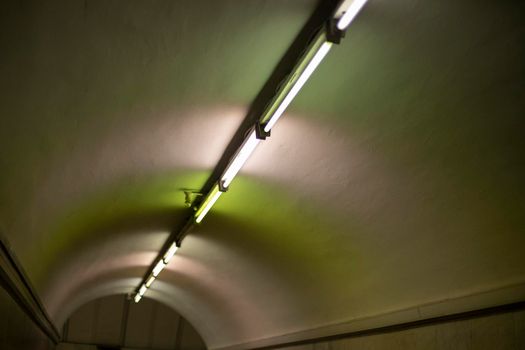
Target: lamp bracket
{"x": 222, "y": 188}
{"x": 260, "y": 133}
{"x": 333, "y": 34}
{"x": 189, "y": 196}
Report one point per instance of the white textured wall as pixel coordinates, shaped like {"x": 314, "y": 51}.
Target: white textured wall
{"x": 500, "y": 331}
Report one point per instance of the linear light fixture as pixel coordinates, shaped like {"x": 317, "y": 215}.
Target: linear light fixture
{"x": 349, "y": 13}
{"x": 317, "y": 50}
{"x": 208, "y": 202}
{"x": 291, "y": 88}
{"x": 314, "y": 54}
{"x": 137, "y": 297}
{"x": 158, "y": 268}
{"x": 161, "y": 264}
{"x": 242, "y": 155}
{"x": 170, "y": 253}
{"x": 143, "y": 289}
{"x": 150, "y": 281}
{"x": 309, "y": 61}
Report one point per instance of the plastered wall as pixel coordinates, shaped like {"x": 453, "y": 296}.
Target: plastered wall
{"x": 500, "y": 331}
{"x": 17, "y": 330}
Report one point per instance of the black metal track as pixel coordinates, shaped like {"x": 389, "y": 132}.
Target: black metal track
{"x": 323, "y": 11}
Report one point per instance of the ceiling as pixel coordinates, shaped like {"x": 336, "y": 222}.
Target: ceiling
{"x": 395, "y": 179}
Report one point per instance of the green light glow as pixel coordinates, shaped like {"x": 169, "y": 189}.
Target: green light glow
{"x": 125, "y": 208}
{"x": 277, "y": 221}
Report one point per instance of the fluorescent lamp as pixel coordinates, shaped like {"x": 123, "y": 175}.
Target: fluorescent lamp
{"x": 306, "y": 73}
{"x": 171, "y": 251}
{"x": 142, "y": 290}
{"x": 158, "y": 268}
{"x": 316, "y": 51}
{"x": 150, "y": 281}
{"x": 350, "y": 13}
{"x": 210, "y": 200}
{"x": 240, "y": 158}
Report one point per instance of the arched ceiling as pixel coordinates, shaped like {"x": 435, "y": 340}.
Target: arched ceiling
{"x": 394, "y": 180}
{"x": 116, "y": 322}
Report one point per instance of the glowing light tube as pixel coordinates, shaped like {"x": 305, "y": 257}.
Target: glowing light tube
{"x": 350, "y": 14}
{"x": 150, "y": 281}
{"x": 170, "y": 253}
{"x": 305, "y": 74}
{"x": 206, "y": 205}
{"x": 247, "y": 148}
{"x": 158, "y": 268}
{"x": 142, "y": 290}
{"x": 137, "y": 298}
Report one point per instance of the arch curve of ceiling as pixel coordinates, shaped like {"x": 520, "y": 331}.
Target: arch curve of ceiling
{"x": 114, "y": 320}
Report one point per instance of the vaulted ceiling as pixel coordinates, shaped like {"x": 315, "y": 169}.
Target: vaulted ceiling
{"x": 395, "y": 179}
{"x": 116, "y": 323}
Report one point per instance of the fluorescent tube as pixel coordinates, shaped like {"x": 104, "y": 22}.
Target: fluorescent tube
{"x": 142, "y": 290}
{"x": 150, "y": 280}
{"x": 158, "y": 268}
{"x": 350, "y": 14}
{"x": 205, "y": 207}
{"x": 306, "y": 73}
{"x": 170, "y": 253}
{"x": 240, "y": 158}
{"x": 137, "y": 297}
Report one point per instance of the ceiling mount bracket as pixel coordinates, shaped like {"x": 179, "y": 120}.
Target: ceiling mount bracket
{"x": 333, "y": 34}
{"x": 222, "y": 188}
{"x": 190, "y": 196}
{"x": 260, "y": 133}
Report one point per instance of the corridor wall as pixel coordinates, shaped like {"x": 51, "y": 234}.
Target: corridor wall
{"x": 504, "y": 331}
{"x": 17, "y": 330}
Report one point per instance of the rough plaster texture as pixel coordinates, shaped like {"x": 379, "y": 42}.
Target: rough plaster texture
{"x": 394, "y": 181}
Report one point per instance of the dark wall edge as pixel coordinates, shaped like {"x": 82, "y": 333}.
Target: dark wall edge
{"x": 16, "y": 283}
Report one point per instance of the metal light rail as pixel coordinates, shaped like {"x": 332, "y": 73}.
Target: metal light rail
{"x": 331, "y": 33}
